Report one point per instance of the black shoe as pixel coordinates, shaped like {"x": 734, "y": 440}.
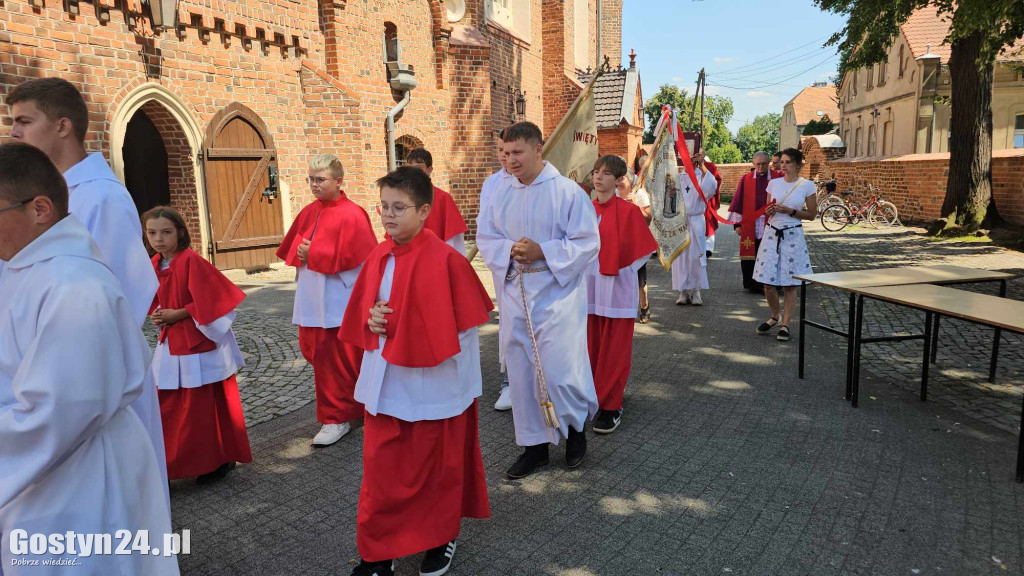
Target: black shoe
{"x": 783, "y": 335}
{"x": 607, "y": 421}
{"x": 384, "y": 568}
{"x": 709, "y": 253}
{"x": 216, "y": 475}
{"x": 575, "y": 447}
{"x": 533, "y": 457}
{"x": 438, "y": 561}
{"x": 767, "y": 326}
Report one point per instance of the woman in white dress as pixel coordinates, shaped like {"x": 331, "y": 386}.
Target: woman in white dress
{"x": 783, "y": 251}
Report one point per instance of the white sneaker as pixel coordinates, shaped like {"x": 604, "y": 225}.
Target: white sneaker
{"x": 695, "y": 298}
{"x": 330, "y": 433}
{"x": 684, "y": 298}
{"x": 504, "y": 400}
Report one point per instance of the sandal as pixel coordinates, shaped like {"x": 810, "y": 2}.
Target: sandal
{"x": 767, "y": 325}
{"x": 645, "y": 315}
{"x": 783, "y": 335}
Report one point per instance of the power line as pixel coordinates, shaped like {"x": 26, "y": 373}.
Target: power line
{"x": 802, "y": 72}
{"x": 737, "y": 68}
{"x": 795, "y": 61}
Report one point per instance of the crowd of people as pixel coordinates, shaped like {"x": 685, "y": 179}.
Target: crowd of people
{"x": 390, "y": 328}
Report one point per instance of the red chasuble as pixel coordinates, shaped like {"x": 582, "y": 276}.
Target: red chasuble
{"x": 445, "y": 220}
{"x": 197, "y": 286}
{"x": 340, "y": 232}
{"x": 435, "y": 294}
{"x": 750, "y": 200}
{"x": 625, "y": 237}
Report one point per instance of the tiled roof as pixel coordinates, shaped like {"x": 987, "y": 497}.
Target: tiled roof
{"x": 614, "y": 95}
{"x": 926, "y": 26}
{"x": 811, "y": 99}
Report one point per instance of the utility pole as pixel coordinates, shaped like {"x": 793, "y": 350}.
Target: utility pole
{"x": 693, "y": 111}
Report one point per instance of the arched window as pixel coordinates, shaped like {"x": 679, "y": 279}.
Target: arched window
{"x": 403, "y": 146}
{"x": 901, "y": 62}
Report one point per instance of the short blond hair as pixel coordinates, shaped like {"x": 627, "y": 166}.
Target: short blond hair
{"x": 328, "y": 162}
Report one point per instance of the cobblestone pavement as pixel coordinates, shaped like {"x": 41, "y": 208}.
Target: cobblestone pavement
{"x": 725, "y": 464}
{"x": 960, "y": 377}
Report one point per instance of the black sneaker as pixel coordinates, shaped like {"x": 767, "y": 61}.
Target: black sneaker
{"x": 216, "y": 475}
{"x": 783, "y": 335}
{"x": 575, "y": 447}
{"x": 438, "y": 561}
{"x": 607, "y": 421}
{"x": 533, "y": 457}
{"x": 384, "y": 568}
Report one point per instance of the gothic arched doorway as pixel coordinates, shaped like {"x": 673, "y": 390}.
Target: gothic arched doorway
{"x": 145, "y": 163}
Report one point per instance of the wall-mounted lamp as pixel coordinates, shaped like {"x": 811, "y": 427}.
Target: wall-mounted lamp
{"x": 520, "y": 103}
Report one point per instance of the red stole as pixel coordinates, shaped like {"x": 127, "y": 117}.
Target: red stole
{"x": 751, "y": 203}
{"x": 187, "y": 278}
{"x": 341, "y": 236}
{"x": 625, "y": 236}
{"x": 435, "y": 294}
{"x": 714, "y": 203}
{"x": 445, "y": 220}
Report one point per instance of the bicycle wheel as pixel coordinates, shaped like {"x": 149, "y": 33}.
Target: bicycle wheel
{"x": 835, "y": 217}
{"x": 886, "y": 214}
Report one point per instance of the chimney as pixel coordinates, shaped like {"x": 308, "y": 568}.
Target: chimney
{"x": 611, "y": 31}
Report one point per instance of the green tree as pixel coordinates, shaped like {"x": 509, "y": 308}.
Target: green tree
{"x": 979, "y": 29}
{"x": 718, "y": 111}
{"x": 728, "y": 154}
{"x": 760, "y": 134}
{"x": 822, "y": 126}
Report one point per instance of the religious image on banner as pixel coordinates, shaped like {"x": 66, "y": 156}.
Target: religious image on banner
{"x": 660, "y": 177}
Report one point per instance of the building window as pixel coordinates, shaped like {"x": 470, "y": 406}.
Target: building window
{"x": 871, "y": 140}
{"x": 1018, "y": 131}
{"x": 856, "y": 142}
{"x": 581, "y": 30}
{"x": 512, "y": 15}
{"x": 854, "y": 82}
{"x": 846, "y": 141}
{"x": 870, "y": 80}
{"x": 883, "y": 70}
{"x": 901, "y": 62}
{"x": 886, "y": 137}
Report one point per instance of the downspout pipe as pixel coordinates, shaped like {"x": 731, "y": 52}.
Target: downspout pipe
{"x": 392, "y": 159}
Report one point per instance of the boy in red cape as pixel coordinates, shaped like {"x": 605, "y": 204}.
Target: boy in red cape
{"x": 196, "y": 355}
{"x": 445, "y": 220}
{"x": 415, "y": 310}
{"x": 612, "y": 290}
{"x": 327, "y": 244}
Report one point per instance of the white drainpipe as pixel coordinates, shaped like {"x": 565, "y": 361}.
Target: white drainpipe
{"x": 392, "y": 159}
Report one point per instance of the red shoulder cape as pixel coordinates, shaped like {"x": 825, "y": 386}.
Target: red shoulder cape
{"x": 625, "y": 236}
{"x": 714, "y": 202}
{"x": 341, "y": 235}
{"x": 197, "y": 286}
{"x": 445, "y": 220}
{"x": 435, "y": 294}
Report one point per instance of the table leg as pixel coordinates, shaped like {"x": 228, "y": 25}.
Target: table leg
{"x": 995, "y": 340}
{"x": 927, "y": 346}
{"x": 1020, "y": 449}
{"x": 856, "y": 334}
{"x": 849, "y": 346}
{"x": 803, "y": 315}
{"x": 935, "y": 338}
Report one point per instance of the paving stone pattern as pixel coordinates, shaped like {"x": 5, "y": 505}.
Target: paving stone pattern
{"x": 725, "y": 463}
{"x": 959, "y": 379}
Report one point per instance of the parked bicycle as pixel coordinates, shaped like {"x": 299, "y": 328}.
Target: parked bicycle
{"x": 827, "y": 193}
{"x": 876, "y": 212}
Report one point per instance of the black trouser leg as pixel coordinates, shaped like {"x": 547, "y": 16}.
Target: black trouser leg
{"x": 748, "y": 271}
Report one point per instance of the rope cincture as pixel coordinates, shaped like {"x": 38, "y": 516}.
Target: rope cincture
{"x": 547, "y": 408}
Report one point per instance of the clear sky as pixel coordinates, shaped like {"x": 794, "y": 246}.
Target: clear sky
{"x": 759, "y": 53}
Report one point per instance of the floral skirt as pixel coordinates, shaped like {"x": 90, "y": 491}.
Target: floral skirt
{"x": 777, "y": 261}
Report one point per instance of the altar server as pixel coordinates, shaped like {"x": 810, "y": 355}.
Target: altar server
{"x": 327, "y": 244}
{"x": 196, "y": 356}
{"x": 415, "y": 310}
{"x": 75, "y": 456}
{"x": 50, "y": 114}
{"x": 612, "y": 290}
{"x": 690, "y": 268}
{"x": 445, "y": 220}
{"x": 540, "y": 236}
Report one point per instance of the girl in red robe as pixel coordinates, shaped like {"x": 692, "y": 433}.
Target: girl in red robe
{"x": 196, "y": 357}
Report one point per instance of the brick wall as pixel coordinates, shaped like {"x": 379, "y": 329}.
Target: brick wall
{"x": 611, "y": 31}
{"x": 731, "y": 174}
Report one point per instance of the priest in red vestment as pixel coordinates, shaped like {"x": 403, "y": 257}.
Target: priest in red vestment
{"x": 612, "y": 290}
{"x": 419, "y": 381}
{"x": 750, "y": 199}
{"x": 196, "y": 356}
{"x": 327, "y": 244}
{"x": 444, "y": 220}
